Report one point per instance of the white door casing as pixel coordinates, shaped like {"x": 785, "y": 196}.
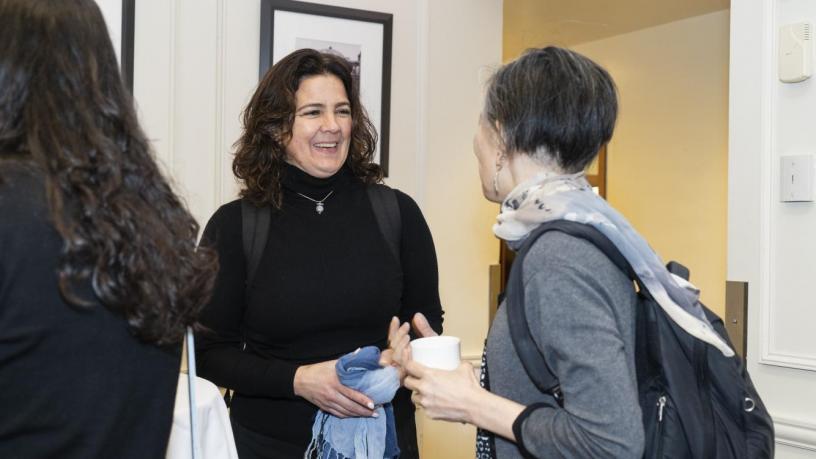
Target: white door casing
{"x": 768, "y": 243}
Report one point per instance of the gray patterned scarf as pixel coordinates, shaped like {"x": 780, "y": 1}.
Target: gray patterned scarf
{"x": 548, "y": 197}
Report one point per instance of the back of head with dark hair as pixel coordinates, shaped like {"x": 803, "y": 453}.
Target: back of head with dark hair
{"x": 553, "y": 102}
{"x": 261, "y": 150}
{"x": 63, "y": 107}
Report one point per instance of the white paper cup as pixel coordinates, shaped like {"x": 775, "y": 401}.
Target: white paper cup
{"x": 440, "y": 352}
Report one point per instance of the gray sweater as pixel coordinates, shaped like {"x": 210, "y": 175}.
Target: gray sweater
{"x": 581, "y": 310}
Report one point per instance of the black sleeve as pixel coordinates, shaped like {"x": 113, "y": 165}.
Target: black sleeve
{"x": 218, "y": 347}
{"x": 420, "y": 291}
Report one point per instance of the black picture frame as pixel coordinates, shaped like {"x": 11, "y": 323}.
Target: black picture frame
{"x": 268, "y": 9}
{"x": 128, "y": 36}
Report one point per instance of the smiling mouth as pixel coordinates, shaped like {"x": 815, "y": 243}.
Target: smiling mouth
{"x": 326, "y": 145}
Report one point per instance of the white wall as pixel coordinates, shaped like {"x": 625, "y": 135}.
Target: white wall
{"x": 196, "y": 65}
{"x": 667, "y": 162}
{"x": 112, "y": 12}
{"x": 770, "y": 243}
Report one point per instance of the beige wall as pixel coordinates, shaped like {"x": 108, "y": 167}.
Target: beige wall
{"x": 460, "y": 53}
{"x": 667, "y": 166}
{"x": 668, "y": 160}
{"x": 673, "y": 81}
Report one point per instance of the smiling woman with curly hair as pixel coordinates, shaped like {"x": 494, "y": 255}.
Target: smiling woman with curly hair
{"x": 330, "y": 278}
{"x": 99, "y": 272}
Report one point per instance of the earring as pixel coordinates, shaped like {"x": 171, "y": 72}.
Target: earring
{"x": 496, "y": 175}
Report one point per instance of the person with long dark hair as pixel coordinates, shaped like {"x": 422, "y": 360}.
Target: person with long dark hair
{"x": 327, "y": 281}
{"x": 99, "y": 271}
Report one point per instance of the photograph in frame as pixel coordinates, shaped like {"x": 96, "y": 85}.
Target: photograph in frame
{"x": 120, "y": 17}
{"x": 128, "y": 36}
{"x": 363, "y": 38}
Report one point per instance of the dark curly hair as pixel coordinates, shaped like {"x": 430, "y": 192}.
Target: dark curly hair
{"x": 261, "y": 150}
{"x": 64, "y": 109}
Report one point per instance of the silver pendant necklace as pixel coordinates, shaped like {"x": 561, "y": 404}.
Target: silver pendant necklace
{"x": 318, "y": 202}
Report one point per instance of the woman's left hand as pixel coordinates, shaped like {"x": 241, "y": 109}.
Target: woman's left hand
{"x": 446, "y": 395}
{"x": 399, "y": 340}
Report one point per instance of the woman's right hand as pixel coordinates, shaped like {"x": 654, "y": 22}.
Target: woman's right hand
{"x": 318, "y": 383}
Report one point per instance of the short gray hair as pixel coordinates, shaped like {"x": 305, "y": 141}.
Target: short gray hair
{"x": 553, "y": 103}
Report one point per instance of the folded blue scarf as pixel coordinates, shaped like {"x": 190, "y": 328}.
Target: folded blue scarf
{"x": 363, "y": 437}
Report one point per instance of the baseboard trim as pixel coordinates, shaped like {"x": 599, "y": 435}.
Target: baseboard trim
{"x": 797, "y": 434}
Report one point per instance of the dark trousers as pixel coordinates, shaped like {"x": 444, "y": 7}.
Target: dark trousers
{"x": 254, "y": 445}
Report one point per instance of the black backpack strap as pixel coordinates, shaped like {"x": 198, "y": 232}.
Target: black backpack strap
{"x": 531, "y": 357}
{"x": 255, "y": 230}
{"x": 386, "y": 210}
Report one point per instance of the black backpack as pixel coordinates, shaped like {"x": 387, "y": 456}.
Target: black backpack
{"x": 696, "y": 403}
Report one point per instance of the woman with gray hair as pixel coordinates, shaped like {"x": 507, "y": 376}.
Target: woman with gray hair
{"x": 546, "y": 116}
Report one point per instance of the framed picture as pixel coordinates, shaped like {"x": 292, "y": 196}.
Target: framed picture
{"x": 128, "y": 33}
{"x": 120, "y": 17}
{"x": 362, "y": 37}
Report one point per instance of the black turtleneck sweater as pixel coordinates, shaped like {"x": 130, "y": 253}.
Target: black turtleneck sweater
{"x": 325, "y": 285}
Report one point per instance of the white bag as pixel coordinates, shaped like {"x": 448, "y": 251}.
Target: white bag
{"x": 201, "y": 426}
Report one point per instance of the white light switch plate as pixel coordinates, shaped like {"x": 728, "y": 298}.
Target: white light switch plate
{"x": 796, "y": 178}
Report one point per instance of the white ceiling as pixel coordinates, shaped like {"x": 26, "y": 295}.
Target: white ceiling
{"x": 570, "y": 22}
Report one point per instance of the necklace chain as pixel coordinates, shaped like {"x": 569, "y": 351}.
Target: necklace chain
{"x": 319, "y": 206}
